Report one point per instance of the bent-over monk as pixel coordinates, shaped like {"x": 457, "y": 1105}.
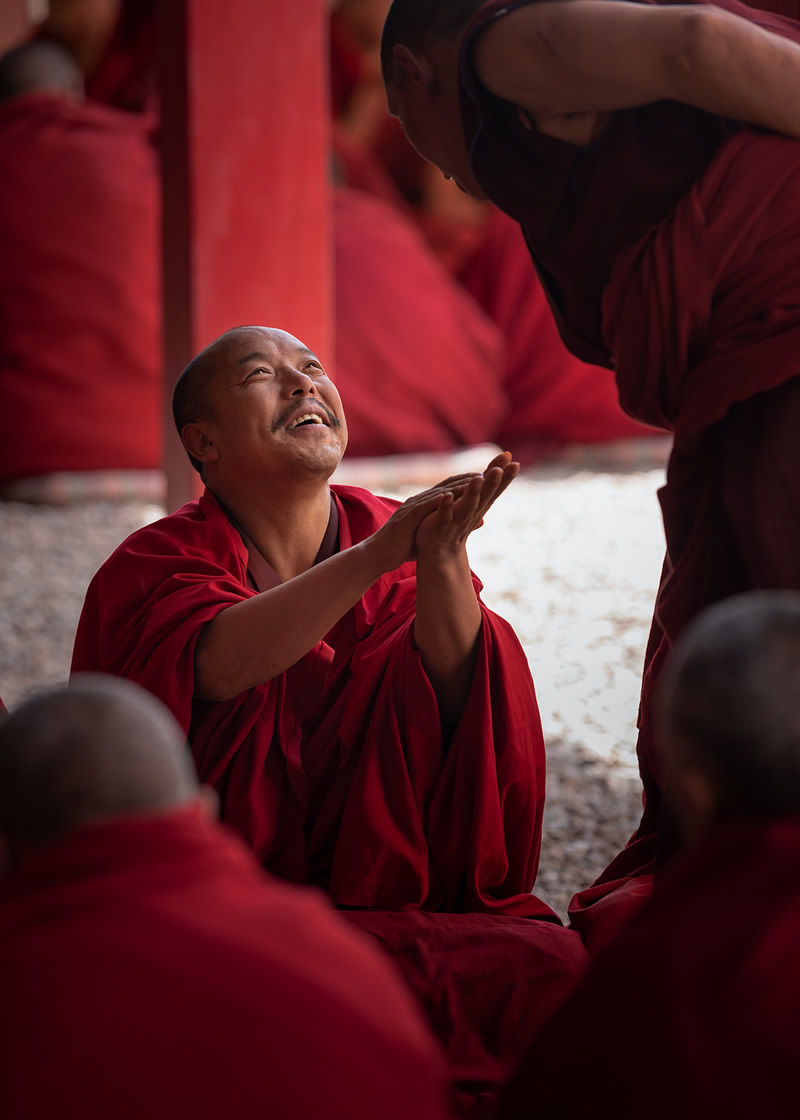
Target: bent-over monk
{"x": 630, "y": 143}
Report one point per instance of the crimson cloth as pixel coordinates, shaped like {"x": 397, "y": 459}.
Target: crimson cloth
{"x": 79, "y": 289}
{"x": 336, "y": 772}
{"x": 703, "y": 985}
{"x": 445, "y": 391}
{"x": 694, "y": 289}
{"x": 149, "y": 968}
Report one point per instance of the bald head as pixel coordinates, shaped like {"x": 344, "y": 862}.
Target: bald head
{"x": 415, "y": 23}
{"x": 36, "y": 67}
{"x": 729, "y": 704}
{"x": 100, "y": 748}
{"x": 192, "y": 395}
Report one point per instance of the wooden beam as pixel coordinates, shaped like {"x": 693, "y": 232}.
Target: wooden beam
{"x": 245, "y": 152}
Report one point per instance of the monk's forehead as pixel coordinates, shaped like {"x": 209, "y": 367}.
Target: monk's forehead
{"x": 236, "y": 345}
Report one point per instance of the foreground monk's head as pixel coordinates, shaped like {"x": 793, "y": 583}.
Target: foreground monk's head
{"x": 419, "y": 60}
{"x": 258, "y": 405}
{"x": 40, "y": 66}
{"x": 98, "y": 749}
{"x": 730, "y": 712}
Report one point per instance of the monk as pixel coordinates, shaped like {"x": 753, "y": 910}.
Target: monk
{"x": 709, "y": 967}
{"x": 79, "y": 289}
{"x": 369, "y": 725}
{"x": 665, "y": 234}
{"x": 149, "y": 967}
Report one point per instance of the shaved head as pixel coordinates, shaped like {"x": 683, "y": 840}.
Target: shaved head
{"x": 414, "y": 23}
{"x": 99, "y": 748}
{"x": 191, "y": 398}
{"x": 729, "y": 703}
{"x": 40, "y": 65}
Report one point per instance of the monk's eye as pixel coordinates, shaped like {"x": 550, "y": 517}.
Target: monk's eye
{"x": 256, "y": 372}
{"x": 314, "y": 366}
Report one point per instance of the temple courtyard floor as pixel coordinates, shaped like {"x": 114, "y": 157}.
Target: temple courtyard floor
{"x": 570, "y": 555}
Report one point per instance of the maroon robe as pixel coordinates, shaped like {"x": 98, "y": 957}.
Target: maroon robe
{"x": 336, "y": 773}
{"x": 79, "y": 290}
{"x": 703, "y": 985}
{"x": 691, "y": 291}
{"x": 149, "y": 968}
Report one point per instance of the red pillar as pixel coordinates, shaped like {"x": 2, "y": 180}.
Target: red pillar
{"x": 245, "y": 151}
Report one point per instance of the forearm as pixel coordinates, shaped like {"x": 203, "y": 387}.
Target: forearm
{"x": 257, "y": 639}
{"x": 447, "y": 629}
{"x": 598, "y": 56}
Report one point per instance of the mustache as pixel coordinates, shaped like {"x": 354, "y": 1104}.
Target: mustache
{"x": 287, "y": 414}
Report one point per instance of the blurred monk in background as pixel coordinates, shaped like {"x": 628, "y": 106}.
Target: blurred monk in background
{"x": 80, "y": 318}
{"x": 701, "y": 991}
{"x": 150, "y": 968}
{"x": 370, "y": 726}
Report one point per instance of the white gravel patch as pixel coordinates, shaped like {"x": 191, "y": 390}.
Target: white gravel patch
{"x": 571, "y": 559}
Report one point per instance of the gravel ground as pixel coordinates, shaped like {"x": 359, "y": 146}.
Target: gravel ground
{"x": 570, "y": 557}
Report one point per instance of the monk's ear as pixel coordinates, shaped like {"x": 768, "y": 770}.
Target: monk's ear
{"x": 411, "y": 67}
{"x": 208, "y": 800}
{"x": 197, "y": 443}
{"x": 693, "y": 798}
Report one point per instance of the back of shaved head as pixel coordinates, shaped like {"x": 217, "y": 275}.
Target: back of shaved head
{"x": 39, "y": 65}
{"x": 730, "y": 702}
{"x": 99, "y": 748}
{"x": 416, "y": 22}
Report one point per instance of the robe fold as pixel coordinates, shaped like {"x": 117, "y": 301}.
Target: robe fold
{"x": 337, "y": 773}
{"x": 79, "y": 290}
{"x": 704, "y": 316}
{"x": 150, "y": 969}
{"x": 668, "y": 249}
{"x": 703, "y": 986}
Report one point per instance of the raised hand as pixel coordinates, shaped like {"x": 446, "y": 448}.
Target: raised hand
{"x": 395, "y": 542}
{"x": 445, "y": 527}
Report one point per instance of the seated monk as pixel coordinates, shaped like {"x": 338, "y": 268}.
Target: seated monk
{"x": 709, "y": 967}
{"x": 637, "y": 147}
{"x": 369, "y": 725}
{"x": 150, "y": 968}
{"x": 79, "y": 304}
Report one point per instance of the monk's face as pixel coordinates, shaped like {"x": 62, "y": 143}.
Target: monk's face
{"x": 274, "y": 410}
{"x": 430, "y": 113}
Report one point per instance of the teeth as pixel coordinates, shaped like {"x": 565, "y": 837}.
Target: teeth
{"x": 312, "y": 416}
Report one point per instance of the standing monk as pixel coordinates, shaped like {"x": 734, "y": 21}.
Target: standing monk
{"x": 150, "y": 968}
{"x": 369, "y": 725}
{"x": 665, "y": 232}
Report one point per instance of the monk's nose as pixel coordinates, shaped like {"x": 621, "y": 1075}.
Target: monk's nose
{"x": 299, "y": 383}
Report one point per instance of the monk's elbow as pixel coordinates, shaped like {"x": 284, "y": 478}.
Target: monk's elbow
{"x": 213, "y": 676}
{"x": 698, "y": 49}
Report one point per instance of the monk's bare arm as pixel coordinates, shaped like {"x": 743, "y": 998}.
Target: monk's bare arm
{"x": 448, "y": 620}
{"x": 257, "y": 639}
{"x": 568, "y": 62}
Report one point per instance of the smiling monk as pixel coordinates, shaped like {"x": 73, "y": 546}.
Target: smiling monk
{"x": 369, "y": 725}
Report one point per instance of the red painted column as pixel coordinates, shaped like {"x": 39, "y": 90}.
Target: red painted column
{"x": 245, "y": 152}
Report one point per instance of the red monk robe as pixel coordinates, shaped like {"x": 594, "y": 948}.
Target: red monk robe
{"x": 703, "y": 985}
{"x": 79, "y": 302}
{"x": 692, "y": 294}
{"x": 149, "y": 969}
{"x": 336, "y": 773}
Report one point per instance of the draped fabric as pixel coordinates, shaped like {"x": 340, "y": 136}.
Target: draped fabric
{"x": 79, "y": 290}
{"x": 337, "y": 773}
{"x": 149, "y": 968}
{"x": 704, "y": 316}
{"x": 703, "y": 986}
